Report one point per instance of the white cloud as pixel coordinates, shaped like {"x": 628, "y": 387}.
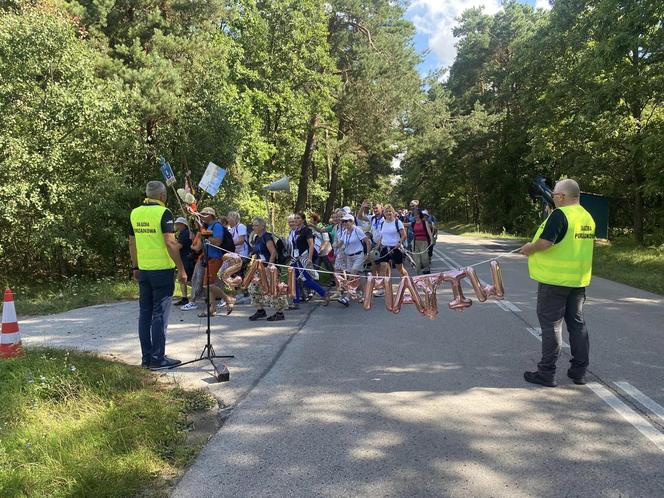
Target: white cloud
{"x": 436, "y": 18}
{"x": 543, "y": 4}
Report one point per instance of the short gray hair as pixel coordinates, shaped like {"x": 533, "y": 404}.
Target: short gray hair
{"x": 259, "y": 221}
{"x": 233, "y": 215}
{"x": 569, "y": 187}
{"x": 291, "y": 217}
{"x": 154, "y": 189}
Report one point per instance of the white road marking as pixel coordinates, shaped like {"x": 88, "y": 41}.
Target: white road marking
{"x": 640, "y": 423}
{"x": 650, "y": 404}
{"x": 503, "y": 304}
{"x": 536, "y": 332}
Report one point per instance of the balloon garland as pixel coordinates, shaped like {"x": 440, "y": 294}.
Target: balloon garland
{"x": 419, "y": 290}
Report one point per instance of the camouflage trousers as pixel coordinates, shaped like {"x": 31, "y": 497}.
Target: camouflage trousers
{"x": 259, "y": 300}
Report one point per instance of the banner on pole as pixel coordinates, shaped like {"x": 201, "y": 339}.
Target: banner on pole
{"x": 167, "y": 172}
{"x": 212, "y": 179}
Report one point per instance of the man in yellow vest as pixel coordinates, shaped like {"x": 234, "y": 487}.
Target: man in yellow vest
{"x": 560, "y": 258}
{"x": 154, "y": 255}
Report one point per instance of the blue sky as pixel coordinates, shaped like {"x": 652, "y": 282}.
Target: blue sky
{"x": 434, "y": 20}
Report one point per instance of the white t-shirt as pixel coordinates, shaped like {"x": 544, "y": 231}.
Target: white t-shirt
{"x": 375, "y": 223}
{"x": 238, "y": 231}
{"x": 352, "y": 240}
{"x": 389, "y": 233}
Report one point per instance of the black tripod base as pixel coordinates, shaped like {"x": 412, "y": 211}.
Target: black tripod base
{"x": 221, "y": 373}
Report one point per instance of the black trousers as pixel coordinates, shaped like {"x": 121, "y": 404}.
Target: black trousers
{"x": 555, "y": 304}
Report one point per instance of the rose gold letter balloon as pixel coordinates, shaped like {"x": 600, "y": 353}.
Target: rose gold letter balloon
{"x": 407, "y": 283}
{"x": 235, "y": 266}
{"x": 460, "y": 302}
{"x": 480, "y": 291}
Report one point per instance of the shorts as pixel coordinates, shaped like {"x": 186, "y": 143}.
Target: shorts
{"x": 213, "y": 267}
{"x": 354, "y": 262}
{"x": 395, "y": 255}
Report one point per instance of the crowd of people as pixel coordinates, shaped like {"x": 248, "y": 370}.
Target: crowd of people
{"x": 375, "y": 238}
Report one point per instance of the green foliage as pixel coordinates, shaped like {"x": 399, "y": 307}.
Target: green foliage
{"x": 576, "y": 92}
{"x": 73, "y": 424}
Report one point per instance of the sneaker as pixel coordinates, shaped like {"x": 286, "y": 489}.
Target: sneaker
{"x": 189, "y": 306}
{"x": 257, "y": 315}
{"x": 536, "y": 378}
{"x": 379, "y": 293}
{"x": 181, "y": 302}
{"x": 165, "y": 363}
{"x": 344, "y": 301}
{"x": 276, "y": 317}
{"x": 581, "y": 381}
{"x": 221, "y": 303}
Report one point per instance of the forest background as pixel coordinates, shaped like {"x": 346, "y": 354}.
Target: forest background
{"x": 93, "y": 92}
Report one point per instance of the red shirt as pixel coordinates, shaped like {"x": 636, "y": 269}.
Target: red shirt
{"x": 420, "y": 231}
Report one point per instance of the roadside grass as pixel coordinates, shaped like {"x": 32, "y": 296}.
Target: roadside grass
{"x": 620, "y": 260}
{"x": 472, "y": 230}
{"x": 46, "y": 297}
{"x": 623, "y": 261}
{"x": 74, "y": 424}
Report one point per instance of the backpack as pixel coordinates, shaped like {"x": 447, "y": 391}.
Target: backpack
{"x": 282, "y": 249}
{"x": 227, "y": 243}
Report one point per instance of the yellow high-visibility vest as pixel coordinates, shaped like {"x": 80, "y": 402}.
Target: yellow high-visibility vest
{"x": 569, "y": 262}
{"x": 151, "y": 249}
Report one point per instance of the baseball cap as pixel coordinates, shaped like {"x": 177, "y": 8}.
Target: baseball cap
{"x": 347, "y": 217}
{"x": 208, "y": 210}
{"x": 346, "y": 209}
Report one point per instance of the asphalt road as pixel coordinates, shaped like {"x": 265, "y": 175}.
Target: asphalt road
{"x": 368, "y": 403}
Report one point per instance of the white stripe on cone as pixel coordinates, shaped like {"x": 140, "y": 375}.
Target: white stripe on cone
{"x": 8, "y": 312}
{"x": 12, "y": 338}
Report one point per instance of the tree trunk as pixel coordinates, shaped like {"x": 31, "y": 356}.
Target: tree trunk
{"x": 305, "y": 165}
{"x": 334, "y": 176}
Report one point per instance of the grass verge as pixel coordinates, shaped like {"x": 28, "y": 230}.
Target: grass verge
{"x": 44, "y": 297}
{"x": 73, "y": 424}
{"x": 471, "y": 230}
{"x": 623, "y": 261}
{"x": 620, "y": 260}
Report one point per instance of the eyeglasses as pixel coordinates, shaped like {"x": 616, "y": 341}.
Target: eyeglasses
{"x": 558, "y": 193}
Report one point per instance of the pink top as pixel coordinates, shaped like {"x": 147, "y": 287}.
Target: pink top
{"x": 420, "y": 231}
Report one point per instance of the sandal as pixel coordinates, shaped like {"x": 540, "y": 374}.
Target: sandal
{"x": 203, "y": 314}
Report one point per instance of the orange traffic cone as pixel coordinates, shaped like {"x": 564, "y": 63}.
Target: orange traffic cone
{"x": 10, "y": 339}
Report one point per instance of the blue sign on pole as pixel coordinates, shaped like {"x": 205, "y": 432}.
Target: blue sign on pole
{"x": 167, "y": 172}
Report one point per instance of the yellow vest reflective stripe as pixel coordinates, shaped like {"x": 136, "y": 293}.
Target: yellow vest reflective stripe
{"x": 569, "y": 262}
{"x": 151, "y": 249}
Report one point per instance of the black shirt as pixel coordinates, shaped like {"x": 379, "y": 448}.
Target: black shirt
{"x": 302, "y": 240}
{"x": 185, "y": 241}
{"x": 556, "y": 227}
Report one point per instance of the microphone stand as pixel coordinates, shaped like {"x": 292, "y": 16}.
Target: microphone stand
{"x": 220, "y": 374}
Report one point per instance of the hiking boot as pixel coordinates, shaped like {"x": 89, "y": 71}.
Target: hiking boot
{"x": 580, "y": 381}
{"x": 181, "y": 302}
{"x": 257, "y": 315}
{"x": 189, "y": 307}
{"x": 537, "y": 378}
{"x": 276, "y": 317}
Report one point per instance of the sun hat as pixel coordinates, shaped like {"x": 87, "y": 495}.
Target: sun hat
{"x": 208, "y": 210}
{"x": 182, "y": 220}
{"x": 346, "y": 209}
{"x": 347, "y": 217}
